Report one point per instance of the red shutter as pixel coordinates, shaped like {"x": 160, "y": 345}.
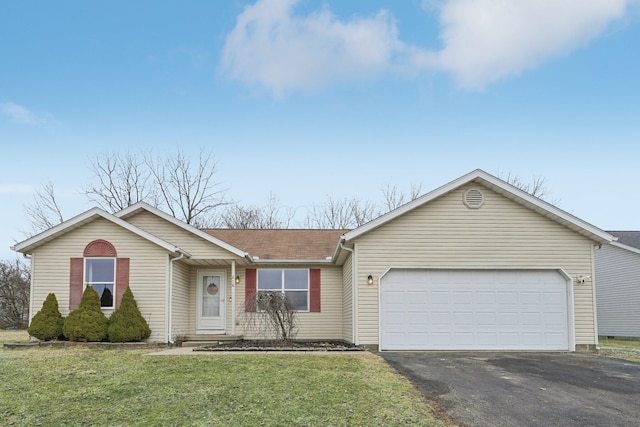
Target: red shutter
{"x": 122, "y": 278}
{"x": 314, "y": 290}
{"x": 76, "y": 277}
{"x": 250, "y": 290}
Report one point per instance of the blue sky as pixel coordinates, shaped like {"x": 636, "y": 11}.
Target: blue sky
{"x": 313, "y": 98}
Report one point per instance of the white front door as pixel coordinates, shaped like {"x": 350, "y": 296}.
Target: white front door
{"x": 210, "y": 301}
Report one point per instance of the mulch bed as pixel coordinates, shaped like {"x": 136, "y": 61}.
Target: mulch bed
{"x": 256, "y": 345}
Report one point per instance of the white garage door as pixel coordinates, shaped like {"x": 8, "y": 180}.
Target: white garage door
{"x": 474, "y": 310}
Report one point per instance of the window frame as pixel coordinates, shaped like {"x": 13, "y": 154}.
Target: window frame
{"x": 87, "y": 283}
{"x": 283, "y": 287}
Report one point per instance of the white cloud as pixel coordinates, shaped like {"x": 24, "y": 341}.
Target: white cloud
{"x": 486, "y": 40}
{"x": 20, "y": 114}
{"x": 483, "y": 41}
{"x": 274, "y": 48}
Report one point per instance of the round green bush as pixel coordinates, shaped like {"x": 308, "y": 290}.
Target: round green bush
{"x": 87, "y": 322}
{"x": 126, "y": 323}
{"x": 46, "y": 325}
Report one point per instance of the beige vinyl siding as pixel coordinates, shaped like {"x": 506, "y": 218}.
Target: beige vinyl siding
{"x": 198, "y": 247}
{"x": 347, "y": 299}
{"x": 147, "y": 274}
{"x": 618, "y": 292}
{"x": 327, "y": 324}
{"x": 181, "y": 300}
{"x": 445, "y": 233}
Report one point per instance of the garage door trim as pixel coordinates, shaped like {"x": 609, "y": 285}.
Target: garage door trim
{"x": 568, "y": 280}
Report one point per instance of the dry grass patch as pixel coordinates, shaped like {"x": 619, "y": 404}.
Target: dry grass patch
{"x": 82, "y": 386}
{"x": 621, "y": 349}
{"x": 13, "y": 336}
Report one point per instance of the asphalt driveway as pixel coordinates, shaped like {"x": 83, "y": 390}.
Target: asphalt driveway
{"x": 526, "y": 389}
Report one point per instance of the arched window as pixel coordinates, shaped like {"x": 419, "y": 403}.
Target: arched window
{"x": 103, "y": 270}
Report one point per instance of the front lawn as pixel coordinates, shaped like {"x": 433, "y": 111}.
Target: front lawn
{"x": 622, "y": 349}
{"x": 82, "y": 386}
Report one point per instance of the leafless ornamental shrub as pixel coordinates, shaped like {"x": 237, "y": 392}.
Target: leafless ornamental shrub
{"x": 272, "y": 316}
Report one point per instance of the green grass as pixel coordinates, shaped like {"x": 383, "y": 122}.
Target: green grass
{"x": 621, "y": 349}
{"x": 89, "y": 386}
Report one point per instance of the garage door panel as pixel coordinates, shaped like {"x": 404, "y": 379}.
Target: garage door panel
{"x": 506, "y": 297}
{"x": 439, "y": 317}
{"x": 466, "y": 309}
{"x": 440, "y": 297}
{"x": 486, "y": 319}
{"x": 463, "y": 318}
{"x": 485, "y": 297}
{"x": 531, "y": 319}
{"x": 530, "y": 298}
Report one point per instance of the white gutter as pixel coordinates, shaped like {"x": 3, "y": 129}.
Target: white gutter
{"x": 354, "y": 294}
{"x": 170, "y": 299}
{"x": 255, "y": 260}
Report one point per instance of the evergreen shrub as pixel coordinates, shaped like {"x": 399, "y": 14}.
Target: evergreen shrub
{"x": 126, "y": 323}
{"x": 87, "y": 322}
{"x": 46, "y": 325}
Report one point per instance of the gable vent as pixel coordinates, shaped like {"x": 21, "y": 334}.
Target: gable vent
{"x": 473, "y": 198}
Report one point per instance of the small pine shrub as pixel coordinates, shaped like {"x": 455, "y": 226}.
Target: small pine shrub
{"x": 87, "y": 322}
{"x": 126, "y": 323}
{"x": 46, "y": 325}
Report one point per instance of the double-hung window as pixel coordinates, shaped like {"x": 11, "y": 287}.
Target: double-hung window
{"x": 100, "y": 274}
{"x": 294, "y": 283}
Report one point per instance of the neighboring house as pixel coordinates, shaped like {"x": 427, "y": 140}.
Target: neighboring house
{"x": 474, "y": 264}
{"x": 618, "y": 290}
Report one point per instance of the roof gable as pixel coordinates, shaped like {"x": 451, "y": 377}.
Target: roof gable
{"x": 499, "y": 186}
{"x": 28, "y": 245}
{"x": 137, "y": 207}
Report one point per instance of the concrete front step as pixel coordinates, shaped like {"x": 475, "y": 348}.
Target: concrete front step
{"x": 198, "y": 340}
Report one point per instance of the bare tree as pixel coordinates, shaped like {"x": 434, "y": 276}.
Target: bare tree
{"x": 537, "y": 187}
{"x": 270, "y": 216}
{"x": 189, "y": 191}
{"x": 271, "y": 315}
{"x": 43, "y": 212}
{"x": 394, "y": 198}
{"x": 15, "y": 281}
{"x": 122, "y": 180}
{"x": 340, "y": 213}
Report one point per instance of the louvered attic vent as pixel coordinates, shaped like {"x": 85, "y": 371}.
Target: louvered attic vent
{"x": 473, "y": 198}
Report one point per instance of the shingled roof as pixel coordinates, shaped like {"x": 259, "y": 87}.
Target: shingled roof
{"x": 282, "y": 244}
{"x": 629, "y": 238}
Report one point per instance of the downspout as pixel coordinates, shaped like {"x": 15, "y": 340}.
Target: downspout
{"x": 170, "y": 299}
{"x": 233, "y": 297}
{"x": 354, "y": 294}
{"x": 593, "y": 296}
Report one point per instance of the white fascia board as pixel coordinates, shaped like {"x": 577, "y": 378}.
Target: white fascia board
{"x": 625, "y": 247}
{"x": 193, "y": 230}
{"x": 86, "y": 217}
{"x": 600, "y": 235}
{"x": 591, "y": 229}
{"x": 292, "y": 261}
